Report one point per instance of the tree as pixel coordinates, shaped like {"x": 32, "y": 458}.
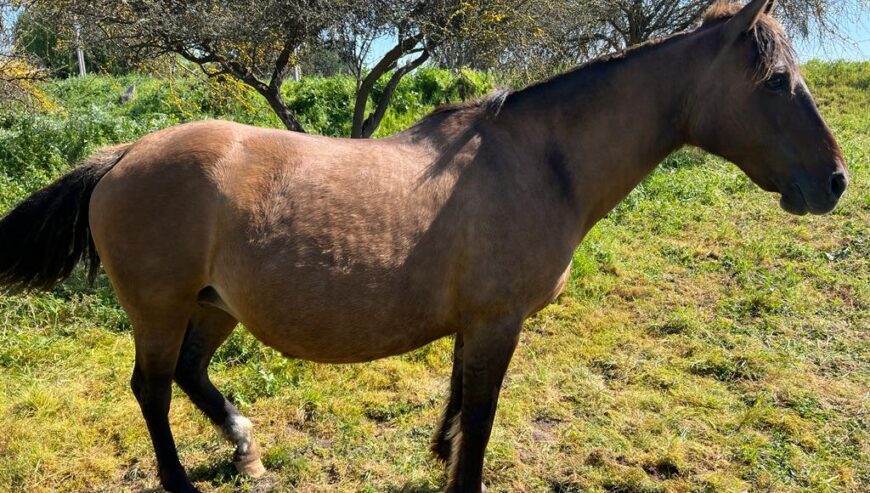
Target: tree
{"x": 322, "y": 60}
{"x": 17, "y": 71}
{"x": 41, "y": 39}
{"x": 574, "y": 31}
{"x": 253, "y": 41}
{"x": 617, "y": 24}
{"x": 408, "y": 22}
{"x": 631, "y": 22}
{"x": 485, "y": 31}
{"x": 417, "y": 29}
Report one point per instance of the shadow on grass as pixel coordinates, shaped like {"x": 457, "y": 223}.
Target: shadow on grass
{"x": 415, "y": 487}
{"x": 217, "y": 472}
{"x": 223, "y": 473}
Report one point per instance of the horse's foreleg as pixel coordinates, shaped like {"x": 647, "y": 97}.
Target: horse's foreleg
{"x": 486, "y": 353}
{"x": 442, "y": 440}
{"x": 158, "y": 340}
{"x": 208, "y": 329}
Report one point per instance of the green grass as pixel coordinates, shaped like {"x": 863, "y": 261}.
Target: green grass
{"x": 707, "y": 342}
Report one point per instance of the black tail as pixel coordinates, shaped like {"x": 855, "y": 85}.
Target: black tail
{"x": 43, "y": 239}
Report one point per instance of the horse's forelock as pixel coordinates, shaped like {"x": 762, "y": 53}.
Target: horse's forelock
{"x": 774, "y": 49}
{"x": 721, "y": 10}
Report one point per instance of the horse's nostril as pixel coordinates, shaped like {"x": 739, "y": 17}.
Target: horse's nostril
{"x": 838, "y": 184}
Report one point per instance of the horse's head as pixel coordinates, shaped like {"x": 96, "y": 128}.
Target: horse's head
{"x": 753, "y": 108}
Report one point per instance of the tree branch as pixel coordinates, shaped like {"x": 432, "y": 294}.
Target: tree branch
{"x": 374, "y": 119}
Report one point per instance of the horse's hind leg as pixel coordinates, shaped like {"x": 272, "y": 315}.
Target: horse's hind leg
{"x": 158, "y": 337}
{"x": 208, "y": 329}
{"x": 442, "y": 440}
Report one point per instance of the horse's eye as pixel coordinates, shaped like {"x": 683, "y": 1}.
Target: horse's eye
{"x": 777, "y": 82}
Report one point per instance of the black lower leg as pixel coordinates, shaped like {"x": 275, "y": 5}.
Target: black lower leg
{"x": 475, "y": 429}
{"x": 442, "y": 440}
{"x": 154, "y": 391}
{"x": 196, "y": 383}
{"x": 486, "y": 355}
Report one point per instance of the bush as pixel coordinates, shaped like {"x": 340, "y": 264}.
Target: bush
{"x": 36, "y": 147}
{"x": 323, "y": 105}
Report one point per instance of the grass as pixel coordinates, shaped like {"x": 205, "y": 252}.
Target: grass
{"x": 707, "y": 342}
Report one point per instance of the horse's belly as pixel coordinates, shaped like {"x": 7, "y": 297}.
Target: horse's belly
{"x": 341, "y": 335}
{"x": 317, "y": 317}
{"x": 340, "y": 345}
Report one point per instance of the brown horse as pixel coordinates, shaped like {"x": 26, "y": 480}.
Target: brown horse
{"x": 344, "y": 251}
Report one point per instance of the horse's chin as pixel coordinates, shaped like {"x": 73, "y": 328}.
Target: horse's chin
{"x": 793, "y": 202}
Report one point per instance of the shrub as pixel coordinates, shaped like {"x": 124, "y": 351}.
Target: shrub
{"x": 36, "y": 147}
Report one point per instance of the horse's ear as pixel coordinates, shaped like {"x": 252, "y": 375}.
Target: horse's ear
{"x": 744, "y": 20}
{"x": 770, "y": 6}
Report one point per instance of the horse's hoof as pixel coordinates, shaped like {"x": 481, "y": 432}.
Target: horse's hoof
{"x": 182, "y": 488}
{"x": 252, "y": 468}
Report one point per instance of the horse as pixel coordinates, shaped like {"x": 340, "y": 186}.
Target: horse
{"x": 342, "y": 251}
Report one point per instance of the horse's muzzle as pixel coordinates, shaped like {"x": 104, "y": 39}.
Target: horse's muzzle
{"x": 800, "y": 198}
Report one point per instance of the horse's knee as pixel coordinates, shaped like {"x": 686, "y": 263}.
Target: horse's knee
{"x": 186, "y": 381}
{"x": 153, "y": 392}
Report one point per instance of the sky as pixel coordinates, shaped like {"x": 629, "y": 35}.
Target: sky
{"x": 856, "y": 47}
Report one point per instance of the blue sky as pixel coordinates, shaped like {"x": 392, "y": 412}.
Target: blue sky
{"x": 858, "y": 48}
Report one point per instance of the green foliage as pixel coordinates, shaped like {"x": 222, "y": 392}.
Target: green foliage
{"x": 323, "y": 105}
{"x": 435, "y": 87}
{"x": 43, "y": 44}
{"x": 35, "y": 147}
{"x": 840, "y": 75}
{"x": 321, "y": 61}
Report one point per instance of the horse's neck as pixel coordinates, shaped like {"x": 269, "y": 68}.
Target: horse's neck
{"x": 610, "y": 124}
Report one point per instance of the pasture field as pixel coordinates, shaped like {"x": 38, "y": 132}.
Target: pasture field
{"x": 707, "y": 342}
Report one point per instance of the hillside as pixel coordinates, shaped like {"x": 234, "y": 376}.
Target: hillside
{"x": 707, "y": 341}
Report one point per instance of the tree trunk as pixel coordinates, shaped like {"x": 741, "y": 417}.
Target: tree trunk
{"x": 364, "y": 88}
{"x": 374, "y": 119}
{"x": 359, "y": 111}
{"x": 276, "y": 102}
